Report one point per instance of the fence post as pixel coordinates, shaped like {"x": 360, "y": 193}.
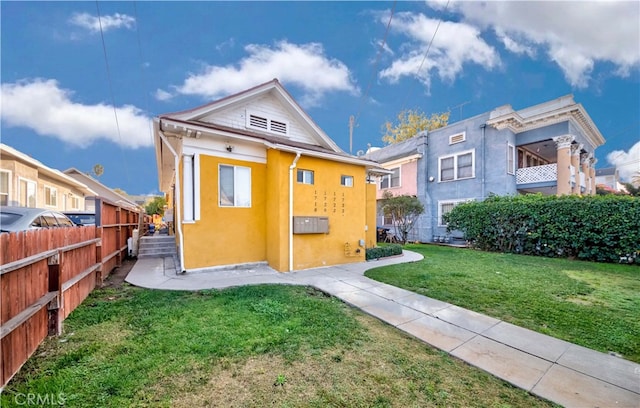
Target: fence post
{"x": 54, "y": 307}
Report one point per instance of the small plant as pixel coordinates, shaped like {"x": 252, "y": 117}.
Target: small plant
{"x": 280, "y": 380}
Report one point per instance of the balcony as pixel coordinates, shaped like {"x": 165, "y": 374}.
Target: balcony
{"x": 537, "y": 174}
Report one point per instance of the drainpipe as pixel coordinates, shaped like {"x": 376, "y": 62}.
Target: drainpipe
{"x": 483, "y": 126}
{"x": 291, "y": 168}
{"x": 177, "y": 213}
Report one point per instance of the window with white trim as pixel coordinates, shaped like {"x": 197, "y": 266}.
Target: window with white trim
{"x": 27, "y": 193}
{"x": 74, "y": 202}
{"x": 346, "y": 181}
{"x": 305, "y": 176}
{"x": 445, "y": 206}
{"x": 457, "y": 138}
{"x": 5, "y": 176}
{"x": 511, "y": 159}
{"x": 457, "y": 167}
{"x": 262, "y": 122}
{"x": 391, "y": 180}
{"x": 234, "y": 186}
{"x": 50, "y": 196}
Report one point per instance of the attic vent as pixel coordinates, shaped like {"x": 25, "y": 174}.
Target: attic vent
{"x": 258, "y": 122}
{"x": 278, "y": 127}
{"x": 460, "y": 137}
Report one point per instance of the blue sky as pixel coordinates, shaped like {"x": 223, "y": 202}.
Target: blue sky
{"x": 61, "y": 96}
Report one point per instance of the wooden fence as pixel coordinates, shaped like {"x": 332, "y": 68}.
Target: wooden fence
{"x": 45, "y": 274}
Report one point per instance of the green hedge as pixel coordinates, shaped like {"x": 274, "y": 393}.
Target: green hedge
{"x": 595, "y": 228}
{"x": 383, "y": 251}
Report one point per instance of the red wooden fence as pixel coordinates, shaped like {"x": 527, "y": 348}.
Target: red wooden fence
{"x": 46, "y": 274}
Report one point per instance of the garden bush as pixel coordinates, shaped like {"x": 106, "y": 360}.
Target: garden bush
{"x": 383, "y": 251}
{"x": 595, "y": 228}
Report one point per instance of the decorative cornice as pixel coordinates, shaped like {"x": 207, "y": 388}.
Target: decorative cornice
{"x": 574, "y": 113}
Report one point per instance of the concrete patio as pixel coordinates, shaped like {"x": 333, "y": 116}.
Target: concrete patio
{"x": 562, "y": 372}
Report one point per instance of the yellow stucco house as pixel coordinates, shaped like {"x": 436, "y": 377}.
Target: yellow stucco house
{"x": 251, "y": 178}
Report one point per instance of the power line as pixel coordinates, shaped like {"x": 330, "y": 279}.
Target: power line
{"x": 113, "y": 99}
{"x": 425, "y": 55}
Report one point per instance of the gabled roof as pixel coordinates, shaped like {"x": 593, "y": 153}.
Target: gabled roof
{"x": 100, "y": 189}
{"x": 413, "y": 147}
{"x": 272, "y": 87}
{"x": 45, "y": 170}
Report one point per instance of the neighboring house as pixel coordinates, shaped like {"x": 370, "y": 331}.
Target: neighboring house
{"x": 251, "y": 178}
{"x": 547, "y": 148}
{"x": 101, "y": 191}
{"x": 609, "y": 178}
{"x": 26, "y": 182}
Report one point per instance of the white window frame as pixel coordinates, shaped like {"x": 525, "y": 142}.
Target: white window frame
{"x": 50, "y": 197}
{"x": 464, "y": 138}
{"x": 446, "y": 202}
{"x": 306, "y": 180}
{"x": 273, "y": 124}
{"x": 35, "y": 192}
{"x": 74, "y": 202}
{"x": 7, "y": 193}
{"x": 236, "y": 187}
{"x": 346, "y": 181}
{"x": 455, "y": 165}
{"x": 388, "y": 178}
{"x": 511, "y": 159}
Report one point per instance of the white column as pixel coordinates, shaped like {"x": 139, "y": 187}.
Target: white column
{"x": 187, "y": 187}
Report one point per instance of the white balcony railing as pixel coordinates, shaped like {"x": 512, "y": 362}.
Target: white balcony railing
{"x": 582, "y": 180}
{"x": 537, "y": 174}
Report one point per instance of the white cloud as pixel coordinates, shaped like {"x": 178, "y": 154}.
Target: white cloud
{"x": 575, "y": 35}
{"x": 296, "y": 65}
{"x": 93, "y": 24}
{"x": 515, "y": 46}
{"x": 47, "y": 109}
{"x": 163, "y": 95}
{"x": 627, "y": 163}
{"x": 454, "y": 45}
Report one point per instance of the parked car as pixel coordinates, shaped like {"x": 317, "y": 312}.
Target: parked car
{"x": 24, "y": 218}
{"x": 81, "y": 217}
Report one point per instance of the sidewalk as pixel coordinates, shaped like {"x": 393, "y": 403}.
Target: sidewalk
{"x": 553, "y": 369}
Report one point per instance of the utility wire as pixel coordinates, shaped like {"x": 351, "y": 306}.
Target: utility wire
{"x": 425, "y": 56}
{"x": 113, "y": 100}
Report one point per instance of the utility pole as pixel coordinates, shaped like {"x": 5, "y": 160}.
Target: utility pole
{"x": 351, "y": 124}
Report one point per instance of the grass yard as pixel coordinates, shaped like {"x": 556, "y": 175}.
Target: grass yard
{"x": 255, "y": 346}
{"x": 595, "y": 305}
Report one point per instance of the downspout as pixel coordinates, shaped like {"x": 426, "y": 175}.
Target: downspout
{"x": 177, "y": 213}
{"x": 483, "y": 126}
{"x": 291, "y": 168}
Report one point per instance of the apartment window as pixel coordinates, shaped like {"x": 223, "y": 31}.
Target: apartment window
{"x": 346, "y": 181}
{"x": 74, "y": 202}
{"x": 305, "y": 176}
{"x": 27, "y": 193}
{"x": 50, "y": 196}
{"x": 444, "y": 207}
{"x": 458, "y": 166}
{"x": 4, "y": 188}
{"x": 511, "y": 159}
{"x": 391, "y": 180}
{"x": 234, "y": 186}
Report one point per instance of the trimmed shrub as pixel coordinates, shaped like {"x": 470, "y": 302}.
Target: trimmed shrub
{"x": 594, "y": 228}
{"x": 383, "y": 251}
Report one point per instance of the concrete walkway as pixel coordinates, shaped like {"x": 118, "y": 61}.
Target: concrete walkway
{"x": 553, "y": 369}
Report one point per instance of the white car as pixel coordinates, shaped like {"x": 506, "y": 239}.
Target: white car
{"x": 23, "y": 218}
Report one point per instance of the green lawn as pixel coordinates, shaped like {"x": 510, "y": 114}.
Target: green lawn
{"x": 595, "y": 305}
{"x": 255, "y": 346}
